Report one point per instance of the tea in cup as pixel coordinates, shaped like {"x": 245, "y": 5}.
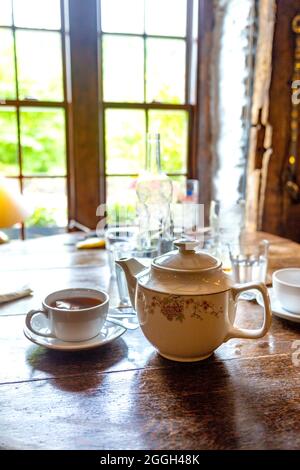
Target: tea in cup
{"x": 72, "y": 314}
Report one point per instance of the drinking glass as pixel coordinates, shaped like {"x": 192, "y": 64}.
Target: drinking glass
{"x": 121, "y": 250}
{"x": 227, "y": 220}
{"x": 188, "y": 222}
{"x": 124, "y": 312}
{"x": 116, "y": 236}
{"x": 249, "y": 261}
{"x": 126, "y": 250}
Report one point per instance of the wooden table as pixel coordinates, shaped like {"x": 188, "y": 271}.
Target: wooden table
{"x": 124, "y": 395}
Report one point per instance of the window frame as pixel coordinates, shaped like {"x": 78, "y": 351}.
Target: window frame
{"x": 84, "y": 106}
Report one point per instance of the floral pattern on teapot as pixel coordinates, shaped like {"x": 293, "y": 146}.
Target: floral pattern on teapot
{"x": 175, "y": 307}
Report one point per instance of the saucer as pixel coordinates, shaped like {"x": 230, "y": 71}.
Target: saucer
{"x": 277, "y": 308}
{"x": 109, "y": 332}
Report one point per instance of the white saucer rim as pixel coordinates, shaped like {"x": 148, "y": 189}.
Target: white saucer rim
{"x": 277, "y": 309}
{"x": 74, "y": 346}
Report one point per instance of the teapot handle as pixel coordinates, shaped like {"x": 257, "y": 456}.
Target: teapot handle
{"x": 235, "y": 332}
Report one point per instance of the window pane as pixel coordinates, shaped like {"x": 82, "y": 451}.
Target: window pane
{"x": 122, "y": 16}
{"x": 39, "y": 65}
{"x": 43, "y": 141}
{"x": 8, "y": 142}
{"x": 173, "y": 129}
{"x": 47, "y": 200}
{"x": 125, "y": 141}
{"x": 5, "y": 13}
{"x": 165, "y": 70}
{"x": 44, "y": 14}
{"x": 123, "y": 69}
{"x": 7, "y": 67}
{"x": 166, "y": 17}
{"x": 121, "y": 200}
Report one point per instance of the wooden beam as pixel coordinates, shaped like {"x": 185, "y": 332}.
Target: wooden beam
{"x": 201, "y": 164}
{"x": 83, "y": 17}
{"x": 274, "y": 219}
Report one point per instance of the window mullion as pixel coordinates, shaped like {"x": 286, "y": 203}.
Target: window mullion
{"x": 102, "y": 147}
{"x": 22, "y": 230}
{"x": 17, "y": 99}
{"x": 145, "y": 79}
{"x": 85, "y": 109}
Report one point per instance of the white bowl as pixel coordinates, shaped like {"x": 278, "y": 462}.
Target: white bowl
{"x": 286, "y": 285}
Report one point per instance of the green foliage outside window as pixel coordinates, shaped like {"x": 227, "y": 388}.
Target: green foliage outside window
{"x": 42, "y": 131}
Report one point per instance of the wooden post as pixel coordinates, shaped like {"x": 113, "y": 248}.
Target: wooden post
{"x": 275, "y": 219}
{"x": 202, "y": 155}
{"x": 83, "y": 17}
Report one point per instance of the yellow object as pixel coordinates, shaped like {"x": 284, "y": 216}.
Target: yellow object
{"x": 3, "y": 238}
{"x": 92, "y": 242}
{"x": 292, "y": 160}
{"x": 12, "y": 207}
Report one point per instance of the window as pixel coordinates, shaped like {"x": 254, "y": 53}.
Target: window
{"x": 81, "y": 84}
{"x": 33, "y": 108}
{"x": 146, "y": 87}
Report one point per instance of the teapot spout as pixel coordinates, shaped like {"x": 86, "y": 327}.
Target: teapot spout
{"x": 131, "y": 268}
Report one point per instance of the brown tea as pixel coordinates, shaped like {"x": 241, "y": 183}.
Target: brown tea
{"x": 76, "y": 303}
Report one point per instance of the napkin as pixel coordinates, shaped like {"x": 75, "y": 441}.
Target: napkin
{"x": 15, "y": 294}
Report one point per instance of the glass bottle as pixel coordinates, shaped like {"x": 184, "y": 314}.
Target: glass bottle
{"x": 154, "y": 192}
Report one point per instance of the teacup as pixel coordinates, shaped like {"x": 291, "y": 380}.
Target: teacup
{"x": 286, "y": 285}
{"x": 72, "y": 314}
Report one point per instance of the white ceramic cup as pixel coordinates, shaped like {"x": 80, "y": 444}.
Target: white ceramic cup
{"x": 286, "y": 285}
{"x": 72, "y": 325}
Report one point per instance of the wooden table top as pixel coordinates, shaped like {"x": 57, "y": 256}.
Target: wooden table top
{"x": 124, "y": 395}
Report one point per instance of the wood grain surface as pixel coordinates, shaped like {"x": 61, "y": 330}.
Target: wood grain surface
{"x": 124, "y": 395}
{"x": 277, "y": 218}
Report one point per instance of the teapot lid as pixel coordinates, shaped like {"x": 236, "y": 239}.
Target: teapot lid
{"x": 186, "y": 259}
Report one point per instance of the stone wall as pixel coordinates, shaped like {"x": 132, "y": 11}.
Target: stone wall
{"x": 232, "y": 63}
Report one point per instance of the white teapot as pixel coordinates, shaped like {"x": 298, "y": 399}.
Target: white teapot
{"x": 186, "y": 304}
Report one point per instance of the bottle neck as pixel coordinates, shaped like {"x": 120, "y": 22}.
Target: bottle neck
{"x": 153, "y": 163}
